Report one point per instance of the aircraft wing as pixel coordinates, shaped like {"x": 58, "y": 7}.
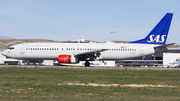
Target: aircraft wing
{"x": 90, "y": 53}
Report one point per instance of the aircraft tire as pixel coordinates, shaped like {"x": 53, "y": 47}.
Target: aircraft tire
{"x": 87, "y": 64}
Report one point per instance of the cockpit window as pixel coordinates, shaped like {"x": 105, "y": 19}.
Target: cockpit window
{"x": 11, "y": 48}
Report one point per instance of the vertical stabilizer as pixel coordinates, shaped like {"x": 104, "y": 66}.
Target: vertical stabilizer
{"x": 160, "y": 32}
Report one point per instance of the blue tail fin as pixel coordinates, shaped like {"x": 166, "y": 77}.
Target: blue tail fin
{"x": 160, "y": 32}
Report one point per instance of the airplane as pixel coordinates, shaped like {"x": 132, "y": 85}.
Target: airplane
{"x": 175, "y": 64}
{"x": 72, "y": 53}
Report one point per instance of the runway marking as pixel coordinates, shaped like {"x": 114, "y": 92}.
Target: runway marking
{"x": 115, "y": 85}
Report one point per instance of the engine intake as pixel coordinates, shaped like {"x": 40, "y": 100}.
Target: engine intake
{"x": 67, "y": 59}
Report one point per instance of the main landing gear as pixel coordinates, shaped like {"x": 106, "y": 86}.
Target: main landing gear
{"x": 87, "y": 64}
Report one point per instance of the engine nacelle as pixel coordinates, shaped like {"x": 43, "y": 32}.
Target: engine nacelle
{"x": 67, "y": 59}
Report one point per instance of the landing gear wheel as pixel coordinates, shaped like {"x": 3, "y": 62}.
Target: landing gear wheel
{"x": 87, "y": 64}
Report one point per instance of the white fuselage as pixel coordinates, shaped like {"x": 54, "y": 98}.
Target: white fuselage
{"x": 51, "y": 51}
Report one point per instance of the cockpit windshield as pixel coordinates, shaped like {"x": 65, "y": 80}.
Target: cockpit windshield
{"x": 11, "y": 48}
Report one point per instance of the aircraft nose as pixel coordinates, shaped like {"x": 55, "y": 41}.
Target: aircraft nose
{"x": 4, "y": 53}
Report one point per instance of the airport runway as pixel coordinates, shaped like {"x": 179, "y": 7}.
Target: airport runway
{"x": 94, "y": 67}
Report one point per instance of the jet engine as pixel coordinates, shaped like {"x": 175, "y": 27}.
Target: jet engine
{"x": 67, "y": 59}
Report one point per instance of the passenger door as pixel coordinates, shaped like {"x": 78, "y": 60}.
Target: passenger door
{"x": 141, "y": 50}
{"x": 22, "y": 49}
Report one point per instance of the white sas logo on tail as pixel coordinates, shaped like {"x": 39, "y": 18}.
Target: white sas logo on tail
{"x": 156, "y": 39}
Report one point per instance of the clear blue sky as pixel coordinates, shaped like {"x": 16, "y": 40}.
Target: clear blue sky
{"x": 62, "y": 20}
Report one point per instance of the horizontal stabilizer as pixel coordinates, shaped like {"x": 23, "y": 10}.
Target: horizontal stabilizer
{"x": 177, "y": 50}
{"x": 164, "y": 46}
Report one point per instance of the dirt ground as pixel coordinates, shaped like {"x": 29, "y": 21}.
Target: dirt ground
{"x": 108, "y": 85}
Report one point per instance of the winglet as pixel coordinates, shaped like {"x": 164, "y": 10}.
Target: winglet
{"x": 160, "y": 32}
